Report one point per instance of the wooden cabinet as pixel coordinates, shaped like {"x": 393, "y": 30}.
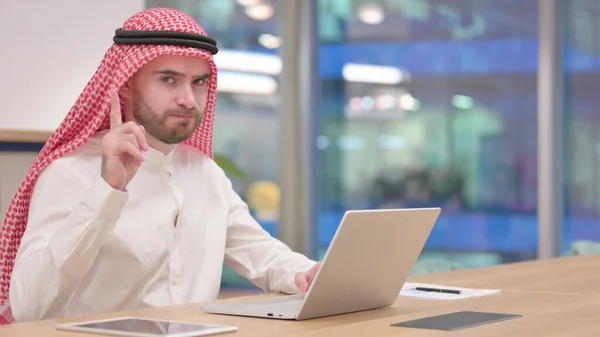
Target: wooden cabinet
{"x": 13, "y": 169}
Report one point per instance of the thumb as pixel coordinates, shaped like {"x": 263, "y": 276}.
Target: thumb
{"x": 303, "y": 283}
{"x": 312, "y": 273}
{"x": 309, "y": 277}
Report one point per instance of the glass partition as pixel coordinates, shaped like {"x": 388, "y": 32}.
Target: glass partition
{"x": 420, "y": 103}
{"x": 432, "y": 103}
{"x": 581, "y": 71}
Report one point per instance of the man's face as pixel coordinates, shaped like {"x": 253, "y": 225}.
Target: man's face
{"x": 168, "y": 96}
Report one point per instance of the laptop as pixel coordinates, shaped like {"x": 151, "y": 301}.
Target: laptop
{"x": 364, "y": 268}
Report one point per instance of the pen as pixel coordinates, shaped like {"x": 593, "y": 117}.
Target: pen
{"x": 447, "y": 291}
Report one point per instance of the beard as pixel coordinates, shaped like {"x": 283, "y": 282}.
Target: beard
{"x": 156, "y": 125}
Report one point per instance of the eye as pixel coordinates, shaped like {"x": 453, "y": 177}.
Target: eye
{"x": 168, "y": 79}
{"x": 200, "y": 81}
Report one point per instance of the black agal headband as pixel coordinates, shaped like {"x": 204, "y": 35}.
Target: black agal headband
{"x": 165, "y": 37}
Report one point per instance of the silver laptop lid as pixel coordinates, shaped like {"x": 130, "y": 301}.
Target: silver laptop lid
{"x": 368, "y": 260}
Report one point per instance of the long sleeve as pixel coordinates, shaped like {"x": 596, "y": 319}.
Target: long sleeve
{"x": 254, "y": 254}
{"x": 69, "y": 218}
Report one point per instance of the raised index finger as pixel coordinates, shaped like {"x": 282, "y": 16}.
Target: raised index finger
{"x": 115, "y": 110}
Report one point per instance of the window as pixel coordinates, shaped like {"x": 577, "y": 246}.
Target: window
{"x": 421, "y": 103}
{"x": 581, "y": 82}
{"x": 432, "y": 103}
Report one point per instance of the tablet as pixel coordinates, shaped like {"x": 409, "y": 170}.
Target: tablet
{"x": 144, "y": 327}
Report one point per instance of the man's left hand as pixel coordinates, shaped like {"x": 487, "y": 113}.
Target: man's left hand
{"x": 304, "y": 279}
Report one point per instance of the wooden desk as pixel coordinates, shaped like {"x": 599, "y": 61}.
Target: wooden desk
{"x": 566, "y": 275}
{"x": 545, "y": 313}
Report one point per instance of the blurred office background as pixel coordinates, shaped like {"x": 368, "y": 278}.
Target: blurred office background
{"x": 418, "y": 103}
{"x": 329, "y": 105}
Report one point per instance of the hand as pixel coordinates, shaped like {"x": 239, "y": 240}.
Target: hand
{"x": 122, "y": 148}
{"x": 304, "y": 279}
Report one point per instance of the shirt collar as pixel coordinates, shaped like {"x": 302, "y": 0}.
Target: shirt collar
{"x": 155, "y": 156}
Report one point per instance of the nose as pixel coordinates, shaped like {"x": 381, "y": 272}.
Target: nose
{"x": 185, "y": 97}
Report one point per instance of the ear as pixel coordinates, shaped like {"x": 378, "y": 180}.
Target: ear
{"x": 126, "y": 91}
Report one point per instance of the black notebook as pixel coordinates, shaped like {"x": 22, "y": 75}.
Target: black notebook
{"x": 456, "y": 320}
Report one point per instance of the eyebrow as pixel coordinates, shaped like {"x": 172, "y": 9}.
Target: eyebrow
{"x": 178, "y": 74}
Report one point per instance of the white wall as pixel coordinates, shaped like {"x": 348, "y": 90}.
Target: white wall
{"x": 48, "y": 51}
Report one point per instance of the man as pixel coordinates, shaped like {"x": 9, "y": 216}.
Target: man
{"x": 124, "y": 208}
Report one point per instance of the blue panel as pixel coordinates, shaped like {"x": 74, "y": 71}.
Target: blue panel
{"x": 452, "y": 57}
{"x": 20, "y": 147}
{"x": 481, "y": 231}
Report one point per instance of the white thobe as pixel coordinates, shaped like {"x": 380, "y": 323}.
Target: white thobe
{"x": 89, "y": 248}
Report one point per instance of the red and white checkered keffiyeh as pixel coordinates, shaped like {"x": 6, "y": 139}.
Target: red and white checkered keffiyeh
{"x": 90, "y": 114}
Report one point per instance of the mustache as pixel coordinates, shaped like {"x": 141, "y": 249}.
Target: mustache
{"x": 183, "y": 112}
